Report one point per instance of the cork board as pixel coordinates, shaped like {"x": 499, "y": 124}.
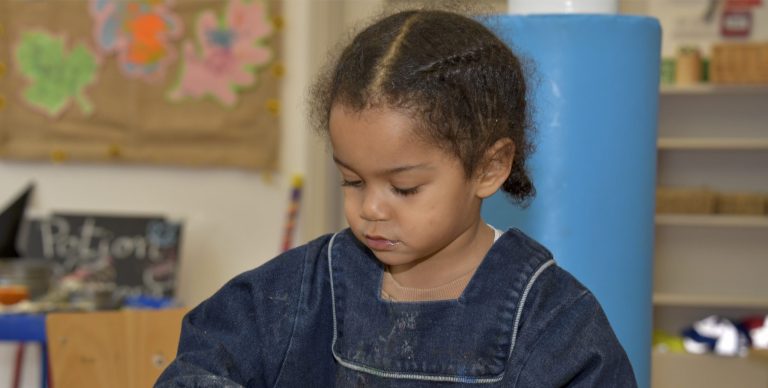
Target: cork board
{"x": 193, "y": 82}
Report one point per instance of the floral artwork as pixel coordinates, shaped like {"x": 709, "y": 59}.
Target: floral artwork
{"x": 141, "y": 32}
{"x": 57, "y": 76}
{"x": 193, "y": 83}
{"x": 229, "y": 51}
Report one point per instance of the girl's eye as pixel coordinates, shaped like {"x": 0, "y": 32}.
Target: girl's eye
{"x": 405, "y": 192}
{"x": 349, "y": 183}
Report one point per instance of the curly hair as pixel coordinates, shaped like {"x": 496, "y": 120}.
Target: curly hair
{"x": 451, "y": 73}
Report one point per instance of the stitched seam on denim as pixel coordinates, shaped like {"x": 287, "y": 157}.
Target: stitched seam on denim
{"x": 414, "y": 376}
{"x": 542, "y": 335}
{"x": 295, "y": 319}
{"x": 333, "y": 293}
{"x": 522, "y": 303}
{"x": 386, "y": 374}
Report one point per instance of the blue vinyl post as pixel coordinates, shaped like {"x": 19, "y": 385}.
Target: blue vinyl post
{"x": 594, "y": 81}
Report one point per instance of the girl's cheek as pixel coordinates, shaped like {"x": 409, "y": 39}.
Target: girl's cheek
{"x": 349, "y": 207}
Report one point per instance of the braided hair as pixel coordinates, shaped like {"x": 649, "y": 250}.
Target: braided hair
{"x": 449, "y": 72}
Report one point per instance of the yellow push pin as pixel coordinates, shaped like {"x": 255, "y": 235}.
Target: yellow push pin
{"x": 273, "y": 105}
{"x": 59, "y": 156}
{"x": 114, "y": 151}
{"x": 278, "y": 22}
{"x": 278, "y": 70}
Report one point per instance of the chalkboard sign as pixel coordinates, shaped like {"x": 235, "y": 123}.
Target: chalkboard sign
{"x": 139, "y": 254}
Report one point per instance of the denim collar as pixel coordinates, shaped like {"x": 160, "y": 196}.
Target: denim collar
{"x": 469, "y": 339}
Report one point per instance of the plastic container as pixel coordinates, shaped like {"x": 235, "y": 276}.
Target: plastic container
{"x": 562, "y": 6}
{"x": 33, "y": 274}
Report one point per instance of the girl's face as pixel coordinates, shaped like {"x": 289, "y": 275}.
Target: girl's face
{"x": 404, "y": 199}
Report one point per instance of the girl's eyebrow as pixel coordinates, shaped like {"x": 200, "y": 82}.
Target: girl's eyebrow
{"x": 389, "y": 171}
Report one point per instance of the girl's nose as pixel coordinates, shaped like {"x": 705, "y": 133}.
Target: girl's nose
{"x": 373, "y": 207}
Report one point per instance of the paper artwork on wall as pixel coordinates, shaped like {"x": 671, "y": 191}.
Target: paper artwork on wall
{"x": 56, "y": 75}
{"x": 175, "y": 82}
{"x": 141, "y": 33}
{"x": 228, "y": 53}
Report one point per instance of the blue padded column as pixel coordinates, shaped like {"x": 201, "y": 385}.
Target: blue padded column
{"x": 595, "y": 92}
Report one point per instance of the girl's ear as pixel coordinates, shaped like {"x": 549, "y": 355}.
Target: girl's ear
{"x": 496, "y": 167}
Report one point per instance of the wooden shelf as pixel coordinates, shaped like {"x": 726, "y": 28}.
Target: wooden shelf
{"x": 688, "y": 300}
{"x": 707, "y": 220}
{"x": 754, "y": 354}
{"x": 712, "y": 143}
{"x": 674, "y": 370}
{"x": 705, "y": 88}
{"x": 759, "y": 354}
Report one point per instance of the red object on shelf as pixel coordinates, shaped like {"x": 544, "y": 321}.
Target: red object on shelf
{"x": 742, "y": 3}
{"x": 736, "y": 23}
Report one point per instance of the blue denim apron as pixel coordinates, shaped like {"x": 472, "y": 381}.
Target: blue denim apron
{"x": 314, "y": 317}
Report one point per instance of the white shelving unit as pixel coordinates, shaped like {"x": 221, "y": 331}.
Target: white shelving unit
{"x": 715, "y": 137}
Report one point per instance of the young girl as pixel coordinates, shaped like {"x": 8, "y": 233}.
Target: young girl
{"x": 426, "y": 113}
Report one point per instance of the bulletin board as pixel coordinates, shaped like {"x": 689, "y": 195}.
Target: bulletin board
{"x": 192, "y": 82}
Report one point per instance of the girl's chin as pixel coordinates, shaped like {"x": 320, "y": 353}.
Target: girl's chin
{"x": 393, "y": 259}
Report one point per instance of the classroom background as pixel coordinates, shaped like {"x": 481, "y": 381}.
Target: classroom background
{"x": 224, "y": 174}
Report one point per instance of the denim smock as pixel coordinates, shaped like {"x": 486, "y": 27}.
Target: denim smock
{"x": 314, "y": 317}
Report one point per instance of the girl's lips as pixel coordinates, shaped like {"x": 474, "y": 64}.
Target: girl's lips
{"x": 379, "y": 243}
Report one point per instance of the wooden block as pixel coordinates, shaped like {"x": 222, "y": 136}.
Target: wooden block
{"x": 739, "y": 63}
{"x": 156, "y": 338}
{"x": 128, "y": 348}
{"x": 765, "y": 204}
{"x": 684, "y": 200}
{"x": 87, "y": 350}
{"x": 741, "y": 203}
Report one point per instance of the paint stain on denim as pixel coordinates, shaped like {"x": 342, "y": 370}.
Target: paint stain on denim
{"x": 399, "y": 342}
